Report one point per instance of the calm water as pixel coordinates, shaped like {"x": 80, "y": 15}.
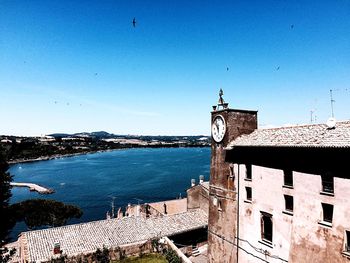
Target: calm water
{"x": 90, "y": 181}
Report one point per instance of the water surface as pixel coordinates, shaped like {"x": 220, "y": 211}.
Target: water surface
{"x": 90, "y": 181}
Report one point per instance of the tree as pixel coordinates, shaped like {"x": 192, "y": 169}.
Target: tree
{"x": 5, "y": 211}
{"x": 42, "y": 212}
{"x": 101, "y": 256}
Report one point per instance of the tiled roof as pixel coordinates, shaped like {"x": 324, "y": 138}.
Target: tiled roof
{"x": 87, "y": 237}
{"x": 314, "y": 135}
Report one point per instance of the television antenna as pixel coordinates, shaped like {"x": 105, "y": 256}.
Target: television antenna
{"x": 313, "y": 116}
{"x": 332, "y": 101}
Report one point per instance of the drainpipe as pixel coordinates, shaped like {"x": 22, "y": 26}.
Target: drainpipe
{"x": 238, "y": 212}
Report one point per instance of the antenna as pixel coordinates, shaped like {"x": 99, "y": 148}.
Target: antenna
{"x": 112, "y": 205}
{"x": 332, "y": 101}
{"x": 311, "y": 115}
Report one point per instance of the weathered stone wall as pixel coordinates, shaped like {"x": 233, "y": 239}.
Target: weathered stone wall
{"x": 198, "y": 197}
{"x": 193, "y": 195}
{"x": 175, "y": 206}
{"x": 222, "y": 202}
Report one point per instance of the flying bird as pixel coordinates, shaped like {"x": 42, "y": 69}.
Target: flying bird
{"x": 95, "y": 74}
{"x": 278, "y": 68}
{"x": 134, "y": 22}
{"x": 292, "y": 26}
{"x": 227, "y": 68}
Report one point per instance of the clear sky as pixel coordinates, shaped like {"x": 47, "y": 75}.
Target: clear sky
{"x": 72, "y": 66}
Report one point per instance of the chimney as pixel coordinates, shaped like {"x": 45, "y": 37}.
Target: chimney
{"x": 193, "y": 182}
{"x": 57, "y": 248}
{"x": 138, "y": 208}
{"x": 201, "y": 179}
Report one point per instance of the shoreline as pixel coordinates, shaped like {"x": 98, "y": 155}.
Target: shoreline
{"x": 57, "y": 156}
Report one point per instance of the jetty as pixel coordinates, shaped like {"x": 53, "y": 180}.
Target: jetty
{"x": 33, "y": 187}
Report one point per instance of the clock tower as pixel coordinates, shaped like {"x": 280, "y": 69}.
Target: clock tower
{"x": 226, "y": 125}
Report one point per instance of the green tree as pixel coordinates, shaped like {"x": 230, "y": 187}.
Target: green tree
{"x": 101, "y": 256}
{"x": 7, "y": 221}
{"x": 43, "y": 212}
{"x": 172, "y": 257}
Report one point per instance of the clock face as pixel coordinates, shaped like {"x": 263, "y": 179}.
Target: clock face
{"x": 218, "y": 128}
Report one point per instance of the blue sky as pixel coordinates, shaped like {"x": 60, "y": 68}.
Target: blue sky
{"x": 71, "y": 66}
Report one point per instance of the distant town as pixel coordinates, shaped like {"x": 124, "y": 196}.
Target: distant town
{"x": 25, "y": 149}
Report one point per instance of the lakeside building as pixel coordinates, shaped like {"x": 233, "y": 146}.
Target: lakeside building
{"x": 278, "y": 195}
{"x": 184, "y": 220}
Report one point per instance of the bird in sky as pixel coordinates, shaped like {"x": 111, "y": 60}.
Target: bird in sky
{"x": 278, "y": 68}
{"x": 227, "y": 68}
{"x": 134, "y": 22}
{"x": 292, "y": 26}
{"x": 95, "y": 74}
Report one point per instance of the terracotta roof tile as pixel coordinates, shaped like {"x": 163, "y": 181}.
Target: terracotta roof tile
{"x": 87, "y": 237}
{"x": 313, "y": 135}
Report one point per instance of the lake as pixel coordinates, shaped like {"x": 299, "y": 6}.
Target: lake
{"x": 91, "y": 181}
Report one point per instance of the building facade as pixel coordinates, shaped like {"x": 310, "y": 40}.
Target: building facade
{"x": 279, "y": 195}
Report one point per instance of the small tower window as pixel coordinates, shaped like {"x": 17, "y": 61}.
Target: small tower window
{"x": 248, "y": 174}
{"x": 248, "y": 193}
{"x": 288, "y": 178}
{"x": 219, "y": 206}
{"x": 327, "y": 213}
{"x": 232, "y": 173}
{"x": 266, "y": 227}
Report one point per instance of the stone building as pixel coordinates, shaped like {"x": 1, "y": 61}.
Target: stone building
{"x": 278, "y": 195}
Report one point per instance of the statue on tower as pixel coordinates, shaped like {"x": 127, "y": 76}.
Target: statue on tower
{"x": 221, "y": 103}
{"x": 221, "y": 99}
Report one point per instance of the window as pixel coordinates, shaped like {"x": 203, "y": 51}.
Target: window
{"x": 347, "y": 241}
{"x": 248, "y": 173}
{"x": 327, "y": 183}
{"x": 232, "y": 173}
{"x": 219, "y": 206}
{"x": 289, "y": 203}
{"x": 266, "y": 227}
{"x": 248, "y": 193}
{"x": 327, "y": 213}
{"x": 288, "y": 178}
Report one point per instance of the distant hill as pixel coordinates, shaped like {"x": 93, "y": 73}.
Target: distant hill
{"x": 107, "y": 135}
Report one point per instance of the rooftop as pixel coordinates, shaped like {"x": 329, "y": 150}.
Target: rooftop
{"x": 313, "y": 135}
{"x": 87, "y": 237}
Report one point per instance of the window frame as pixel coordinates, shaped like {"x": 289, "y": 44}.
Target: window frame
{"x": 248, "y": 172}
{"x": 327, "y": 184}
{"x": 286, "y": 209}
{"x": 347, "y": 241}
{"x": 288, "y": 178}
{"x": 325, "y": 220}
{"x": 264, "y": 235}
{"x": 247, "y": 189}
